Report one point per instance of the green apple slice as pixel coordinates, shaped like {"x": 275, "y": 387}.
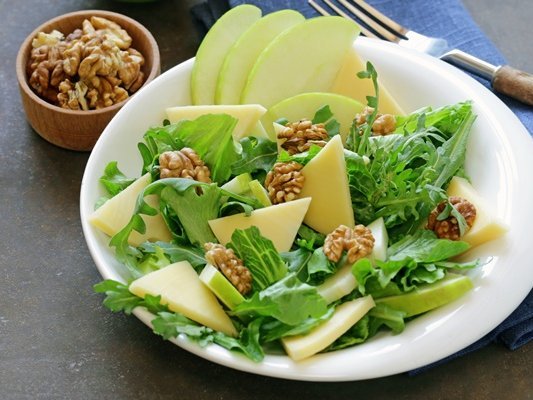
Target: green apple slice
{"x": 338, "y": 285}
{"x": 238, "y": 185}
{"x": 304, "y": 58}
{"x": 242, "y": 55}
{"x": 381, "y": 239}
{"x": 221, "y": 287}
{"x": 260, "y": 193}
{"x": 429, "y": 296}
{"x": 183, "y": 292}
{"x": 345, "y": 316}
{"x": 214, "y": 48}
{"x": 305, "y": 105}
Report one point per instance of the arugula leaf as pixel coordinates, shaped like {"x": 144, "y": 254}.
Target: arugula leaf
{"x": 274, "y": 329}
{"x": 358, "y": 333}
{"x": 309, "y": 238}
{"x": 383, "y": 315}
{"x": 209, "y": 135}
{"x": 319, "y": 267}
{"x": 170, "y": 325}
{"x": 289, "y": 300}
{"x": 248, "y": 341}
{"x": 297, "y": 260}
{"x": 425, "y": 247}
{"x": 301, "y": 158}
{"x": 153, "y": 261}
{"x": 258, "y": 154}
{"x": 119, "y": 298}
{"x": 259, "y": 255}
{"x": 416, "y": 259}
{"x": 114, "y": 180}
{"x": 175, "y": 252}
{"x": 194, "y": 211}
{"x": 324, "y": 116}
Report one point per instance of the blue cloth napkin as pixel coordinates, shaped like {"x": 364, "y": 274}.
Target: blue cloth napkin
{"x": 456, "y": 26}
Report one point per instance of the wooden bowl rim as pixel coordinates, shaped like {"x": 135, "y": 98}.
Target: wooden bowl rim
{"x": 116, "y": 17}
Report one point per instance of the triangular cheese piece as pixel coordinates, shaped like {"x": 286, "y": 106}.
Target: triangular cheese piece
{"x": 347, "y": 83}
{"x": 345, "y": 316}
{"x": 248, "y": 116}
{"x": 279, "y": 223}
{"x": 486, "y": 226}
{"x": 326, "y": 183}
{"x": 182, "y": 291}
{"x": 116, "y": 212}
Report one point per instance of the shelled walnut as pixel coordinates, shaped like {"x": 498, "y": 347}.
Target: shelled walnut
{"x": 446, "y": 225}
{"x": 300, "y": 135}
{"x": 90, "y": 68}
{"x": 383, "y": 124}
{"x": 284, "y": 182}
{"x": 358, "y": 243}
{"x": 184, "y": 163}
{"x": 231, "y": 266}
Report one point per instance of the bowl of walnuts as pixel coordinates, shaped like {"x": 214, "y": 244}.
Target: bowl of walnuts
{"x": 77, "y": 70}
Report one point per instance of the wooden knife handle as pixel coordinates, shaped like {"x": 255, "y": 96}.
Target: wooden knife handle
{"x": 514, "y": 83}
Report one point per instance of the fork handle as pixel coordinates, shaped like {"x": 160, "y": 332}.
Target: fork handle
{"x": 514, "y": 83}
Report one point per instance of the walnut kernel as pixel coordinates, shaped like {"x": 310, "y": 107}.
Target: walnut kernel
{"x": 184, "y": 163}
{"x": 448, "y": 228}
{"x": 230, "y": 265}
{"x": 284, "y": 182}
{"x": 358, "y": 242}
{"x": 300, "y": 135}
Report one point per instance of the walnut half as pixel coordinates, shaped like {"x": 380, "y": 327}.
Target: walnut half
{"x": 284, "y": 182}
{"x": 358, "y": 243}
{"x": 230, "y": 265}
{"x": 448, "y": 227}
{"x": 299, "y": 136}
{"x": 184, "y": 163}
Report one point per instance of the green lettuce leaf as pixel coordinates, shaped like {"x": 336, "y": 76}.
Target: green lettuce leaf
{"x": 258, "y": 154}
{"x": 289, "y": 300}
{"x": 259, "y": 255}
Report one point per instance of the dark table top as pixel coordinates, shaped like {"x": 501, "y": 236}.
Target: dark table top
{"x": 58, "y": 341}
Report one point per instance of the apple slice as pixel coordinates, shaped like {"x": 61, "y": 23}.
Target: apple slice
{"x": 345, "y": 316}
{"x": 326, "y": 183}
{"x": 486, "y": 226}
{"x": 182, "y": 291}
{"x": 430, "y": 296}
{"x": 347, "y": 83}
{"x": 221, "y": 287}
{"x": 279, "y": 223}
{"x": 381, "y": 239}
{"x": 116, "y": 212}
{"x": 305, "y": 105}
{"x": 338, "y": 285}
{"x": 238, "y": 185}
{"x": 214, "y": 48}
{"x": 248, "y": 116}
{"x": 260, "y": 193}
{"x": 304, "y": 58}
{"x": 242, "y": 55}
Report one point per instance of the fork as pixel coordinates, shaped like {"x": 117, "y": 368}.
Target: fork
{"x": 504, "y": 78}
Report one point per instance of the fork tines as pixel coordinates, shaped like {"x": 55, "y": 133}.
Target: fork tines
{"x": 374, "y": 23}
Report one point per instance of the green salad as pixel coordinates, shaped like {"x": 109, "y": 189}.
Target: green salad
{"x": 312, "y": 296}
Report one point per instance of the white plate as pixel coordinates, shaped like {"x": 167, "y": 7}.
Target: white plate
{"x": 500, "y": 163}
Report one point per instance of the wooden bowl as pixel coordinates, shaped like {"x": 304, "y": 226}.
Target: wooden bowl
{"x": 73, "y": 129}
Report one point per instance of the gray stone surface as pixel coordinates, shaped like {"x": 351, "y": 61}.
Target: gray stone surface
{"x": 56, "y": 339}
